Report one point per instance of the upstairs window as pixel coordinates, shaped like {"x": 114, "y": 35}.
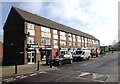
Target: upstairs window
{"x": 63, "y": 43}
{"x": 62, "y": 33}
{"x": 45, "y": 29}
{"x": 73, "y": 36}
{"x": 56, "y": 42}
{"x": 30, "y": 26}
{"x": 70, "y": 35}
{"x": 55, "y": 32}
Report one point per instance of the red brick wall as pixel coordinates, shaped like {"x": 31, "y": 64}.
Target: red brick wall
{"x": 1, "y": 51}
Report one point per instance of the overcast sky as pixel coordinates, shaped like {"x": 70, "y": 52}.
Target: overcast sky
{"x": 96, "y": 17}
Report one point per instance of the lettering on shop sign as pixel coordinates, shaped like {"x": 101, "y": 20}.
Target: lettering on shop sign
{"x": 33, "y": 46}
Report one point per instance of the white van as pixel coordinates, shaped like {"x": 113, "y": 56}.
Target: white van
{"x": 81, "y": 54}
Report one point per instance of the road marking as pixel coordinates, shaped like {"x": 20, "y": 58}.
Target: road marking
{"x": 23, "y": 77}
{"x": 83, "y": 74}
{"x": 33, "y": 74}
{"x": 42, "y": 72}
{"x": 96, "y": 76}
{"x": 19, "y": 76}
{"x": 9, "y": 79}
{"x": 63, "y": 77}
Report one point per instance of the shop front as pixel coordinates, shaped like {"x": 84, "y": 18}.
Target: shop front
{"x": 31, "y": 53}
{"x": 63, "y": 51}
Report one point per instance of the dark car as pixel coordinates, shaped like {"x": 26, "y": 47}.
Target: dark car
{"x": 62, "y": 59}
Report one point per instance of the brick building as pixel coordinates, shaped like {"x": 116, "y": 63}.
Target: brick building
{"x": 26, "y": 33}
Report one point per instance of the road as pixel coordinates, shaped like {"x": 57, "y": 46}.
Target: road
{"x": 101, "y": 69}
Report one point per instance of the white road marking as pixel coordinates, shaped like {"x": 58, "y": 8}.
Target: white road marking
{"x": 19, "y": 76}
{"x": 23, "y": 77}
{"x": 33, "y": 74}
{"x": 42, "y": 72}
{"x": 9, "y": 79}
{"x": 96, "y": 76}
{"x": 63, "y": 77}
{"x": 83, "y": 74}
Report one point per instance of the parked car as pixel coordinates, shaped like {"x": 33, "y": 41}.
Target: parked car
{"x": 81, "y": 55}
{"x": 62, "y": 59}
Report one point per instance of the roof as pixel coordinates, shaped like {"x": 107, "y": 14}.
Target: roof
{"x": 27, "y": 16}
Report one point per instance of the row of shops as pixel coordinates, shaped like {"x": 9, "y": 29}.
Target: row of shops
{"x": 45, "y": 51}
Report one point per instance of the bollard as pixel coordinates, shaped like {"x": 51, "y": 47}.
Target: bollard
{"x": 16, "y": 68}
{"x": 50, "y": 63}
{"x": 38, "y": 65}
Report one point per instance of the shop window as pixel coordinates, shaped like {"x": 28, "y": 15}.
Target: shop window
{"x": 45, "y": 29}
{"x": 63, "y": 43}
{"x": 45, "y": 41}
{"x": 30, "y": 26}
{"x": 56, "y": 42}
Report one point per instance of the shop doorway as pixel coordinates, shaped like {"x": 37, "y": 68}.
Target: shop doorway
{"x": 31, "y": 57}
{"x": 46, "y": 53}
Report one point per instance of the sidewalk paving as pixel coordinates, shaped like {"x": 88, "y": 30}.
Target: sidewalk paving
{"x": 25, "y": 69}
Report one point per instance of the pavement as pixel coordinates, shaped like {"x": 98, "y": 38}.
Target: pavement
{"x": 100, "y": 69}
{"x": 24, "y": 69}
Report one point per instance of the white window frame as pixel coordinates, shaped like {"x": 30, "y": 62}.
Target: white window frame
{"x": 45, "y": 41}
{"x": 55, "y": 31}
{"x": 55, "y": 42}
{"x": 63, "y": 43}
{"x": 70, "y": 43}
{"x": 30, "y": 26}
{"x": 45, "y": 29}
{"x": 62, "y": 33}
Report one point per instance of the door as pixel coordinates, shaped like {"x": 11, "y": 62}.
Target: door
{"x": 31, "y": 57}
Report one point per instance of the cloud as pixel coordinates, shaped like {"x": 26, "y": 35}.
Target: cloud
{"x": 97, "y": 17}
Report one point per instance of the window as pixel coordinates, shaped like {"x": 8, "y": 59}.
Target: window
{"x": 74, "y": 44}
{"x": 79, "y": 38}
{"x": 79, "y": 44}
{"x": 62, "y": 33}
{"x": 82, "y": 44}
{"x": 70, "y": 43}
{"x": 45, "y": 29}
{"x": 30, "y": 40}
{"x": 30, "y": 26}
{"x": 85, "y": 44}
{"x": 63, "y": 43}
{"x": 70, "y": 35}
{"x": 55, "y": 32}
{"x": 45, "y": 41}
{"x": 73, "y": 36}
{"x": 56, "y": 42}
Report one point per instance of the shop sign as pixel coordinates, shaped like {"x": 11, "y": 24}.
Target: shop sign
{"x": 47, "y": 46}
{"x": 33, "y": 46}
{"x": 63, "y": 48}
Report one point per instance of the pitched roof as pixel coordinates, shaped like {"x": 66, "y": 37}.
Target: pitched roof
{"x": 49, "y": 23}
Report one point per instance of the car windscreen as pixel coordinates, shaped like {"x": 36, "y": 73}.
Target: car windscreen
{"x": 60, "y": 56}
{"x": 77, "y": 52}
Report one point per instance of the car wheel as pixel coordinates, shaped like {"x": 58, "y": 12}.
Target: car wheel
{"x": 71, "y": 61}
{"x": 60, "y": 63}
{"x": 88, "y": 58}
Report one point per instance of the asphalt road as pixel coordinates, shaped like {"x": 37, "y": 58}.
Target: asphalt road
{"x": 101, "y": 69}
